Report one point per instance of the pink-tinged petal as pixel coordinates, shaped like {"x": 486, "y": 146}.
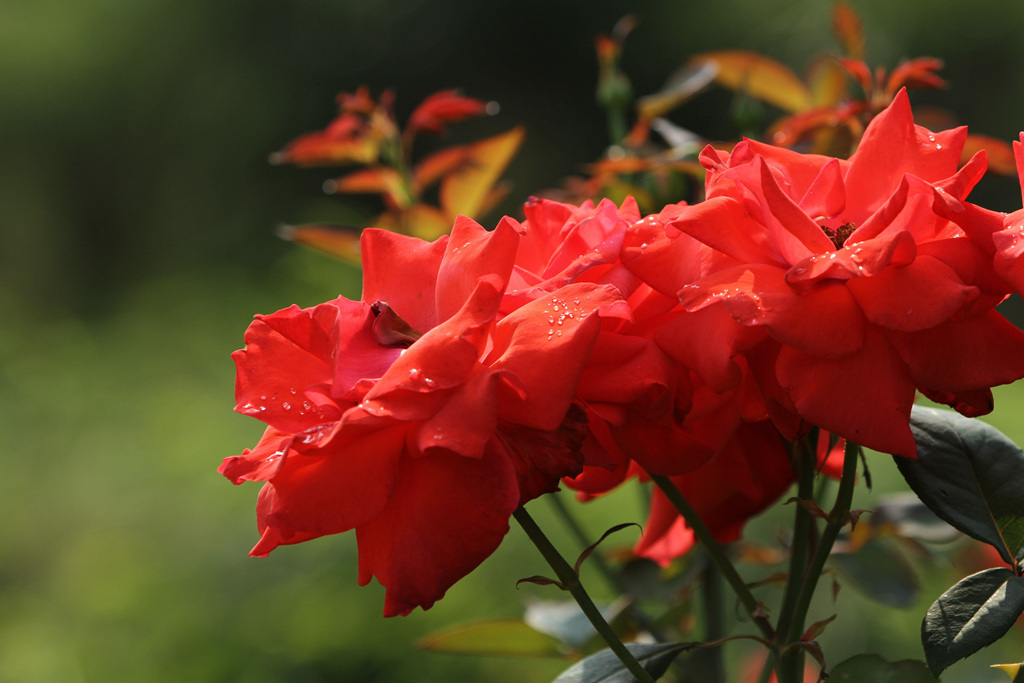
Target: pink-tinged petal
{"x": 913, "y": 297}
{"x": 794, "y": 234}
{"x": 331, "y": 490}
{"x": 473, "y": 253}
{"x": 543, "y": 457}
{"x": 865, "y": 397}
{"x": 723, "y": 224}
{"x": 446, "y": 516}
{"x": 760, "y": 295}
{"x": 893, "y": 146}
{"x": 262, "y": 462}
{"x": 414, "y": 386}
{"x": 963, "y": 355}
{"x": 861, "y": 259}
{"x": 597, "y": 235}
{"x": 402, "y": 271}
{"x": 284, "y": 353}
{"x": 546, "y": 344}
{"x": 545, "y": 220}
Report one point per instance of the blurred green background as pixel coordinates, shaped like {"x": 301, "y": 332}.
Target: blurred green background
{"x": 137, "y": 216}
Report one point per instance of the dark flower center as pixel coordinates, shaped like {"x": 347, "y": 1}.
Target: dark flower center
{"x": 390, "y": 329}
{"x": 839, "y": 235}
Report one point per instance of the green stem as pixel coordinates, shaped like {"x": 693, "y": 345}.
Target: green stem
{"x": 717, "y": 554}
{"x": 567, "y": 576}
{"x": 803, "y": 528}
{"x": 714, "y": 622}
{"x": 790, "y": 664}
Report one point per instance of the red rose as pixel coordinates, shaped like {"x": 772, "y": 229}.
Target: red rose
{"x": 415, "y": 416}
{"x": 636, "y": 397}
{"x": 847, "y": 285}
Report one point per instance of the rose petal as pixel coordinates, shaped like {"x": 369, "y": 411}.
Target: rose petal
{"x": 402, "y": 271}
{"x": 963, "y": 355}
{"x": 436, "y": 528}
{"x": 473, "y": 253}
{"x": 865, "y": 397}
{"x": 913, "y": 297}
{"x": 545, "y": 344}
{"x": 338, "y": 488}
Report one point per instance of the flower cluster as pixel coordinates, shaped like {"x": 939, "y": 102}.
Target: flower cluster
{"x": 590, "y": 345}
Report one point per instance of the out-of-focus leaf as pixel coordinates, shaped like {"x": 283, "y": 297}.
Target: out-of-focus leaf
{"x": 970, "y": 474}
{"x": 339, "y": 241}
{"x": 880, "y": 571}
{"x": 760, "y": 77}
{"x": 827, "y": 81}
{"x": 874, "y": 669}
{"x": 973, "y": 614}
{"x": 435, "y": 166}
{"x": 605, "y": 667}
{"x": 849, "y": 30}
{"x": 376, "y": 180}
{"x": 465, "y": 189}
{"x": 911, "y": 518}
{"x": 420, "y": 220}
{"x": 441, "y": 108}
{"x": 683, "y": 84}
{"x": 497, "y": 637}
{"x": 915, "y": 73}
{"x": 565, "y": 621}
{"x": 1000, "y": 154}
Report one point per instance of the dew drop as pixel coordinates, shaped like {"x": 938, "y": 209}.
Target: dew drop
{"x": 286, "y": 405}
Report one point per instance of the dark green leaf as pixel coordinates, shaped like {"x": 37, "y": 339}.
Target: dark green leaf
{"x": 971, "y": 475}
{"x": 879, "y": 570}
{"x": 605, "y": 667}
{"x": 971, "y": 615}
{"x": 874, "y": 669}
{"x": 498, "y": 637}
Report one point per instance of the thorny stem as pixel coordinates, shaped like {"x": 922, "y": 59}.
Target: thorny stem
{"x": 567, "y": 576}
{"x": 611, "y": 577}
{"x": 717, "y": 554}
{"x": 804, "y": 525}
{"x": 790, "y": 664}
{"x": 714, "y": 622}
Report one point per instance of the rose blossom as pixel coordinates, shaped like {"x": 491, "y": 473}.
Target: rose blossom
{"x": 844, "y": 284}
{"x": 415, "y": 416}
